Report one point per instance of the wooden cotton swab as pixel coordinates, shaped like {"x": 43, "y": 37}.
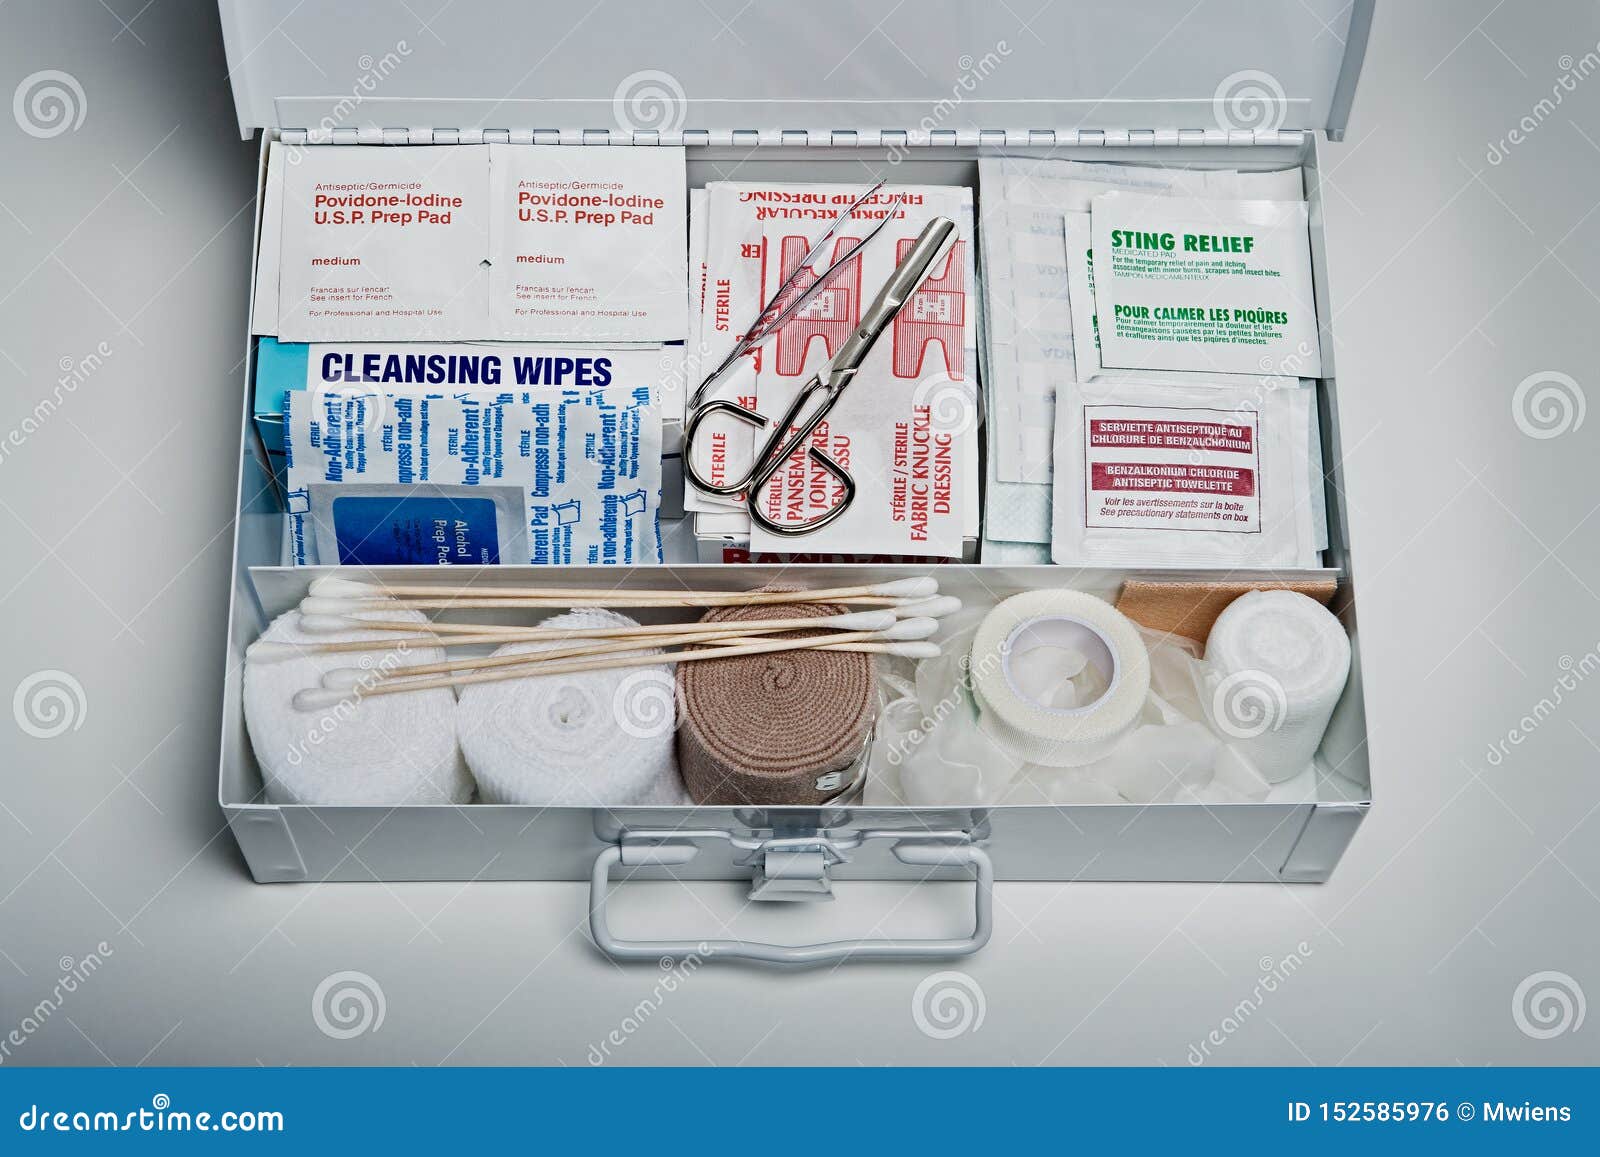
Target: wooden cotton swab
{"x": 734, "y": 633}
{"x": 917, "y": 649}
{"x": 320, "y": 698}
{"x": 270, "y": 650}
{"x": 455, "y": 634}
{"x": 918, "y": 587}
{"x": 321, "y": 605}
{"x": 345, "y": 677}
{"x": 844, "y": 621}
{"x": 350, "y": 678}
{"x": 325, "y": 613}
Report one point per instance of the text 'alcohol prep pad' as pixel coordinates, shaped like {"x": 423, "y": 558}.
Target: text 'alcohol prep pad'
{"x": 1204, "y": 285}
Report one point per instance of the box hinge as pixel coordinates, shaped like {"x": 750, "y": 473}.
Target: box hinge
{"x": 894, "y": 139}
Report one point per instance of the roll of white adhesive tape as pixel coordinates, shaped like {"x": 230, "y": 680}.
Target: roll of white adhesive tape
{"x": 1059, "y": 677}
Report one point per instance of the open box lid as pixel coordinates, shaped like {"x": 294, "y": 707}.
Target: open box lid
{"x": 934, "y": 69}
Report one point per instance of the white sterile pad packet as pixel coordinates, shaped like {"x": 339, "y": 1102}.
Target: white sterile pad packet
{"x": 1029, "y": 325}
{"x": 906, "y": 428}
{"x": 1029, "y": 318}
{"x": 384, "y": 244}
{"x": 587, "y": 244}
{"x": 675, "y": 396}
{"x": 1080, "y": 295}
{"x": 586, "y": 460}
{"x": 1204, "y": 285}
{"x": 1166, "y": 474}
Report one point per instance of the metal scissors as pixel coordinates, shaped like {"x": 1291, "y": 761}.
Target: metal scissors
{"x": 818, "y": 396}
{"x": 779, "y": 310}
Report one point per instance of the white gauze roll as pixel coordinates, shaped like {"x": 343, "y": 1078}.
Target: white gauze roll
{"x": 379, "y": 750}
{"x": 1059, "y": 677}
{"x": 1275, "y": 666}
{"x": 585, "y": 739}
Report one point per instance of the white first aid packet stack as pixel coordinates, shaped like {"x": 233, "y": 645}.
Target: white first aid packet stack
{"x": 1045, "y": 346}
{"x": 587, "y": 462}
{"x": 472, "y": 242}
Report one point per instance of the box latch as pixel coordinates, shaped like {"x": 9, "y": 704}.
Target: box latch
{"x": 795, "y": 867}
{"x": 792, "y": 874}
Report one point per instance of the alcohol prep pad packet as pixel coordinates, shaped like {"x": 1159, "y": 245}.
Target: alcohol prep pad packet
{"x": 587, "y": 462}
{"x": 379, "y": 524}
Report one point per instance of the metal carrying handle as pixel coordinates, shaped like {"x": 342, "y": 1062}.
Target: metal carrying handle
{"x": 923, "y": 853}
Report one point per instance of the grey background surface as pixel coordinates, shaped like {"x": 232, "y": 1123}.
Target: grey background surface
{"x": 1457, "y": 276}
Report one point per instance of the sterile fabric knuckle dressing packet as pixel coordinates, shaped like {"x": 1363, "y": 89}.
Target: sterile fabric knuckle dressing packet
{"x": 741, "y": 275}
{"x": 907, "y": 427}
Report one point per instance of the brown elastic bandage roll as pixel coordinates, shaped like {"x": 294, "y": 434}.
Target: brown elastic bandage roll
{"x": 782, "y": 728}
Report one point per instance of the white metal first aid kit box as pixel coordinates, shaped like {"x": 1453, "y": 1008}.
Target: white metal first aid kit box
{"x": 828, "y": 91}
